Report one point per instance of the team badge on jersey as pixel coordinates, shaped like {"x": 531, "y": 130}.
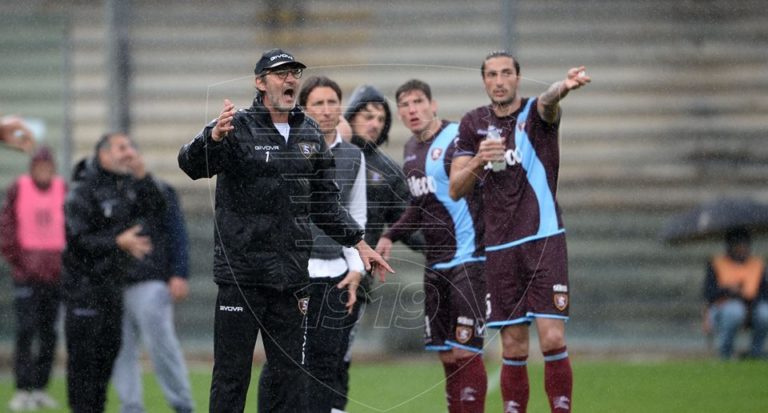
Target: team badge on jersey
{"x": 304, "y": 305}
{"x": 307, "y": 148}
{"x": 464, "y": 334}
{"x": 561, "y": 301}
{"x": 436, "y": 153}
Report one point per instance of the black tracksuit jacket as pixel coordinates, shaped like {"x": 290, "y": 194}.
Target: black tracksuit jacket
{"x": 99, "y": 206}
{"x": 267, "y": 191}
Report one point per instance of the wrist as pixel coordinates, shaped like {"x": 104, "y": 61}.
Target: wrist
{"x": 214, "y": 136}
{"x": 477, "y": 164}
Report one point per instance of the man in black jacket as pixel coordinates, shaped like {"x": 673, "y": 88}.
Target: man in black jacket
{"x": 104, "y": 212}
{"x": 274, "y": 176}
{"x": 369, "y": 116}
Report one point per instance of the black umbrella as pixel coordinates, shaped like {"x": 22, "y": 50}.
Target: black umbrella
{"x": 713, "y": 218}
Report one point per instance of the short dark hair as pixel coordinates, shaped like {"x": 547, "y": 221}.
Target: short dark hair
{"x": 500, "y": 53}
{"x": 411, "y": 85}
{"x": 105, "y": 140}
{"x": 737, "y": 235}
{"x": 315, "y": 82}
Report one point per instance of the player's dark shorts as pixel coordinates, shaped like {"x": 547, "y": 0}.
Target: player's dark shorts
{"x": 527, "y": 281}
{"x": 453, "y": 308}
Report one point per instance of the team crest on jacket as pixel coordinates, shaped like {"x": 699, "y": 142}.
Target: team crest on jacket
{"x": 463, "y": 334}
{"x": 561, "y": 301}
{"x": 436, "y": 153}
{"x": 304, "y": 305}
{"x": 307, "y": 148}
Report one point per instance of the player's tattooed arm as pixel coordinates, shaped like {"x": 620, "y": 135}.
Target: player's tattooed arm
{"x": 548, "y": 103}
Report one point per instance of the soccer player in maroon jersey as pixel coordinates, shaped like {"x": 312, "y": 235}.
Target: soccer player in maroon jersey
{"x": 454, "y": 284}
{"x": 526, "y": 268}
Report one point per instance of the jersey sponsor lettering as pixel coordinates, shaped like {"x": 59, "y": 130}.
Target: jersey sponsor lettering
{"x": 231, "y": 308}
{"x": 421, "y": 186}
{"x": 512, "y": 157}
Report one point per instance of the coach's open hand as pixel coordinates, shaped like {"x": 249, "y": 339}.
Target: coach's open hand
{"x": 373, "y": 261}
{"x": 224, "y": 121}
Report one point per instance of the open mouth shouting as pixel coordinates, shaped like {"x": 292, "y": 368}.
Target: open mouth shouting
{"x": 289, "y": 93}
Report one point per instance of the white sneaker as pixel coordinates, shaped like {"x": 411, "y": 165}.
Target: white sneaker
{"x": 22, "y": 402}
{"x": 42, "y": 399}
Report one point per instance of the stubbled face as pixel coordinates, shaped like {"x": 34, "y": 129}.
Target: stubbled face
{"x": 42, "y": 173}
{"x": 280, "y": 89}
{"x": 501, "y": 80}
{"x": 324, "y": 106}
{"x": 368, "y": 123}
{"x": 416, "y": 111}
{"x": 118, "y": 156}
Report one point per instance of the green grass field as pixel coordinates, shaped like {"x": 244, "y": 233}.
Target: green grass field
{"x": 610, "y": 386}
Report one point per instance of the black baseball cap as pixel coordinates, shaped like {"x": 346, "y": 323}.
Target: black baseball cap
{"x": 275, "y": 58}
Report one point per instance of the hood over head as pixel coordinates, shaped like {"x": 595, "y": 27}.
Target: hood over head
{"x": 363, "y": 95}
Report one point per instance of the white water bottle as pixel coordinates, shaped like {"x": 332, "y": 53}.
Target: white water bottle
{"x": 495, "y": 134}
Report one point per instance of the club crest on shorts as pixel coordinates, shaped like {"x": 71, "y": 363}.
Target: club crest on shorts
{"x": 304, "y": 305}
{"x": 463, "y": 334}
{"x": 561, "y": 301}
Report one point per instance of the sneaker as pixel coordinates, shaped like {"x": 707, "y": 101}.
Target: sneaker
{"x": 42, "y": 399}
{"x": 22, "y": 402}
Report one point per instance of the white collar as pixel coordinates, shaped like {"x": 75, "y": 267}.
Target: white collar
{"x": 336, "y": 141}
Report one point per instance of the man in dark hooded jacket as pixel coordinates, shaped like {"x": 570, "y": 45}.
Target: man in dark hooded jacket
{"x": 107, "y": 235}
{"x": 369, "y": 116}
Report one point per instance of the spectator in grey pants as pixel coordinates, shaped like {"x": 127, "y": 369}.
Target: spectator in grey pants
{"x": 151, "y": 289}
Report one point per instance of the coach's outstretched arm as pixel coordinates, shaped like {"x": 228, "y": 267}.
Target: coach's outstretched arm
{"x": 548, "y": 102}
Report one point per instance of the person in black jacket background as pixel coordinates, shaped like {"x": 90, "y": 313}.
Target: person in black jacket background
{"x": 369, "y": 116}
{"x": 274, "y": 174}
{"x": 105, "y": 213}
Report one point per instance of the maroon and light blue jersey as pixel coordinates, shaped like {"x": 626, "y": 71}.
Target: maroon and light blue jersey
{"x": 453, "y": 229}
{"x": 520, "y": 202}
